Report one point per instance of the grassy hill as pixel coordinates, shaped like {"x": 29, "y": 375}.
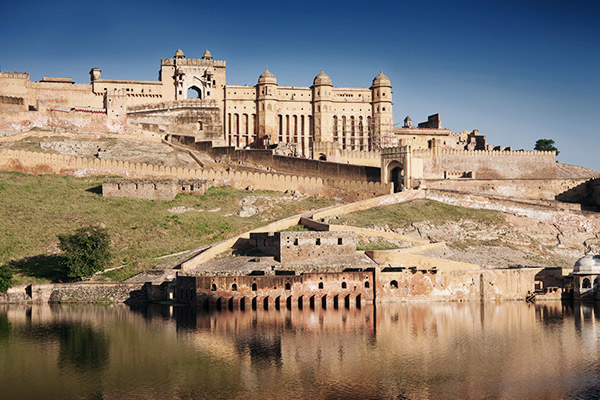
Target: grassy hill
{"x": 34, "y": 209}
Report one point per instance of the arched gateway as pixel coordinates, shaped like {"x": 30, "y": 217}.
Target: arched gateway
{"x": 395, "y": 167}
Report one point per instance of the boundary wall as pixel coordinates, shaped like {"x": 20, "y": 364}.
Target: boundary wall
{"x": 36, "y": 162}
{"x": 573, "y": 190}
{"x": 489, "y": 164}
{"x": 334, "y": 153}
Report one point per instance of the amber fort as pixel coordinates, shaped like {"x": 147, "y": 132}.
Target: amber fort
{"x": 341, "y": 143}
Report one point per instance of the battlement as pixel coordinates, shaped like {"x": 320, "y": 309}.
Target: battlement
{"x": 500, "y": 153}
{"x": 193, "y": 62}
{"x": 14, "y": 75}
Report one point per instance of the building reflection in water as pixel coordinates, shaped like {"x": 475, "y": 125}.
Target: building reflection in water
{"x": 423, "y": 350}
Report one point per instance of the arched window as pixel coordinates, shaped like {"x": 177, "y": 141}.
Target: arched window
{"x": 254, "y": 287}
{"x": 320, "y": 285}
{"x": 344, "y": 285}
{"x": 288, "y": 286}
{"x": 586, "y": 284}
{"x": 213, "y": 287}
{"x": 367, "y": 284}
{"x": 194, "y": 93}
{"x": 394, "y": 284}
{"x": 234, "y": 287}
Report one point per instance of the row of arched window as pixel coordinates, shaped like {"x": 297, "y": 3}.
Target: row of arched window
{"x": 351, "y": 132}
{"x": 295, "y": 129}
{"x": 240, "y": 129}
{"x": 288, "y": 286}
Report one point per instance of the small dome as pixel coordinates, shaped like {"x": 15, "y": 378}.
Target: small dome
{"x": 322, "y": 79}
{"x": 589, "y": 264}
{"x": 382, "y": 80}
{"x": 207, "y": 55}
{"x": 179, "y": 54}
{"x": 267, "y": 77}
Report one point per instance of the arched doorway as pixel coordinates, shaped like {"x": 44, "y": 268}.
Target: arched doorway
{"x": 397, "y": 178}
{"x": 194, "y": 93}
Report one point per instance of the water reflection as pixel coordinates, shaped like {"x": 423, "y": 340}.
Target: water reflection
{"x": 412, "y": 351}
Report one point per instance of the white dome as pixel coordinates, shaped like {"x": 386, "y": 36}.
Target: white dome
{"x": 589, "y": 264}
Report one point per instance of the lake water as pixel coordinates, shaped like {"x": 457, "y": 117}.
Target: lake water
{"x": 508, "y": 350}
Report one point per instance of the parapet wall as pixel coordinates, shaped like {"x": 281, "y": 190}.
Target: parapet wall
{"x": 566, "y": 190}
{"x": 486, "y": 164}
{"x": 35, "y": 162}
{"x": 333, "y": 153}
{"x": 153, "y": 189}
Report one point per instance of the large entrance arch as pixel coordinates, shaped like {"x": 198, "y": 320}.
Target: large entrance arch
{"x": 396, "y": 167}
{"x": 194, "y": 92}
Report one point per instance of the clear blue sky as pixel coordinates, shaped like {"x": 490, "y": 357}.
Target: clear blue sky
{"x": 516, "y": 70}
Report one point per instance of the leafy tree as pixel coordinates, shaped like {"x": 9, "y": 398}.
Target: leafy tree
{"x": 86, "y": 251}
{"x": 6, "y": 275}
{"x": 545, "y": 145}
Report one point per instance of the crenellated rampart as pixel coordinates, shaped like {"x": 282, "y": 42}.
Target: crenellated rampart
{"x": 194, "y": 61}
{"x": 14, "y": 75}
{"x": 35, "y": 162}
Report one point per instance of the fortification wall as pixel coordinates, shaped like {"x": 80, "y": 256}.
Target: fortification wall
{"x": 153, "y": 189}
{"x": 469, "y": 285}
{"x": 77, "y": 292}
{"x": 34, "y": 162}
{"x": 489, "y": 164}
{"x": 294, "y": 165}
{"x": 567, "y": 190}
{"x": 333, "y": 153}
{"x": 73, "y": 121}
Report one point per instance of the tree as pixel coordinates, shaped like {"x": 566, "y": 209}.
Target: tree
{"x": 86, "y": 251}
{"x": 545, "y": 145}
{"x": 6, "y": 275}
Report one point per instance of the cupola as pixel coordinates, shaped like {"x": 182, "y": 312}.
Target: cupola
{"x": 267, "y": 77}
{"x": 322, "y": 79}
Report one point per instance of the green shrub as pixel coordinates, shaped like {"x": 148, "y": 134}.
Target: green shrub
{"x": 6, "y": 275}
{"x": 85, "y": 252}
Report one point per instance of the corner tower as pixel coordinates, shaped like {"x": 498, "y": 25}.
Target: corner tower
{"x": 381, "y": 105}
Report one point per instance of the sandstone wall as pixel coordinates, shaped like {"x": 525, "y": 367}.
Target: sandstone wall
{"x": 34, "y": 162}
{"x": 332, "y": 152}
{"x": 153, "y": 189}
{"x": 295, "y": 165}
{"x": 63, "y": 121}
{"x": 567, "y": 190}
{"x": 489, "y": 164}
{"x": 77, "y": 292}
{"x": 472, "y": 285}
{"x": 292, "y": 246}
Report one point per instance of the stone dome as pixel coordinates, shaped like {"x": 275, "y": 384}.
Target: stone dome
{"x": 322, "y": 79}
{"x": 179, "y": 54}
{"x": 381, "y": 80}
{"x": 589, "y": 264}
{"x": 207, "y": 55}
{"x": 267, "y": 77}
